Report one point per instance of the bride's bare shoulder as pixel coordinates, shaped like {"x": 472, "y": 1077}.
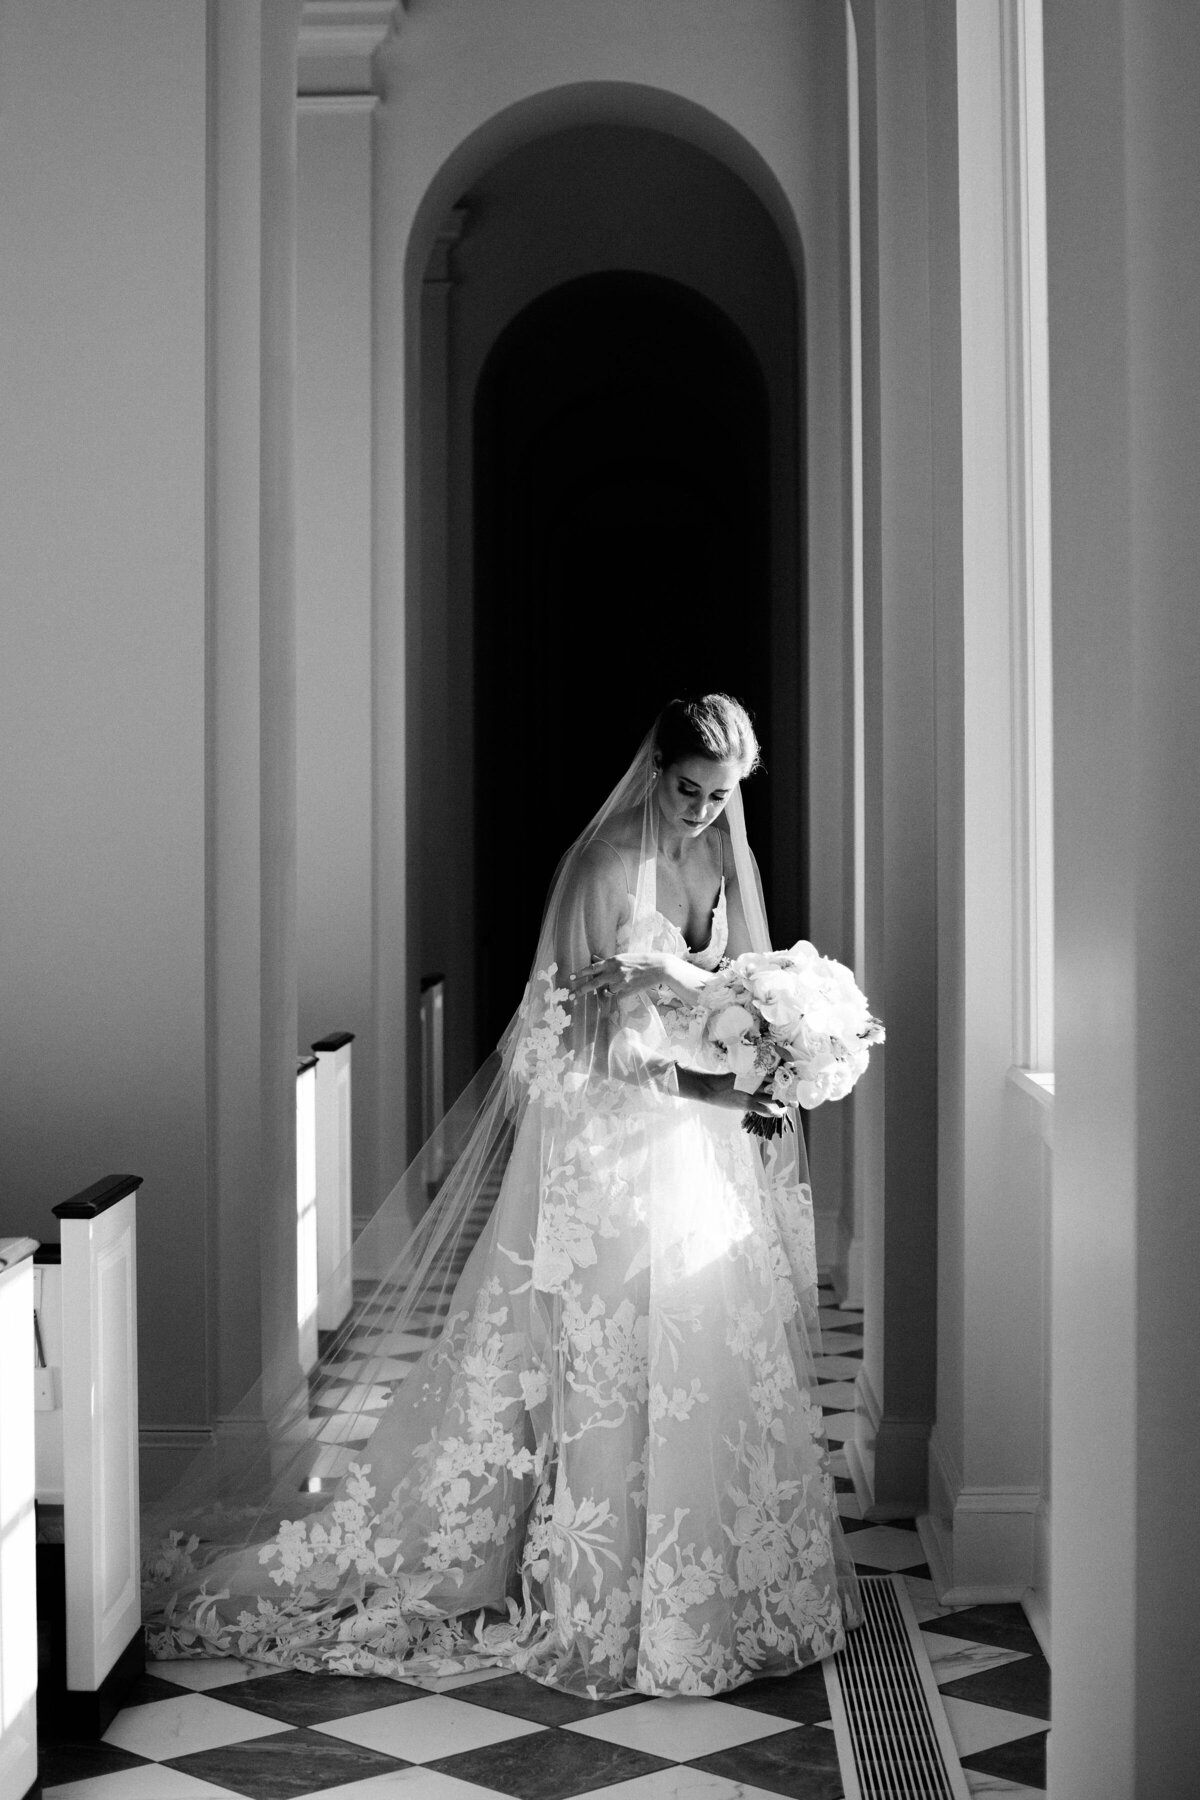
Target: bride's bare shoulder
{"x": 606, "y": 861}
{"x": 623, "y": 830}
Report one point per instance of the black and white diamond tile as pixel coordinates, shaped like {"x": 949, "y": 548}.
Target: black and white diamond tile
{"x": 228, "y": 1728}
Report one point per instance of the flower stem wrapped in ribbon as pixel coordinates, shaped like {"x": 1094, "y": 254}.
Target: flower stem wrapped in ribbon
{"x": 792, "y": 1025}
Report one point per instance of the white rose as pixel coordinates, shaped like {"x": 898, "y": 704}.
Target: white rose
{"x": 731, "y": 1023}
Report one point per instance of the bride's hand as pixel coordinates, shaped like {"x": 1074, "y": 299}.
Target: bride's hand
{"x": 629, "y": 972}
{"x": 718, "y": 1090}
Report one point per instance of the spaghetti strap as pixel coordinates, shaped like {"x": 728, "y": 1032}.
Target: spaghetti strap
{"x": 612, "y": 848}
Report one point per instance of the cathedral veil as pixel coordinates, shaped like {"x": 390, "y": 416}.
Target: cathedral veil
{"x": 564, "y": 1067}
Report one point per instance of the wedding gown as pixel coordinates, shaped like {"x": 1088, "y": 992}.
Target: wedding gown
{"x": 608, "y": 1470}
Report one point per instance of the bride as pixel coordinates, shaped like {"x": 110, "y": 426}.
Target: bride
{"x": 605, "y": 1468}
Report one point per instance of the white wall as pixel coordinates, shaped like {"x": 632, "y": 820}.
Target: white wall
{"x": 102, "y": 663}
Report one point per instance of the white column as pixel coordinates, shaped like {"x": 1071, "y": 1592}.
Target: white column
{"x": 897, "y": 1101}
{"x": 1123, "y": 214}
{"x": 103, "y": 718}
{"x": 277, "y": 507}
{"x": 252, "y": 980}
{"x": 333, "y": 586}
{"x": 986, "y": 1452}
{"x": 18, "y": 1600}
{"x": 396, "y": 497}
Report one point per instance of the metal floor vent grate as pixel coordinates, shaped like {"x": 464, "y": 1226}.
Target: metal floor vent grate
{"x": 893, "y": 1737}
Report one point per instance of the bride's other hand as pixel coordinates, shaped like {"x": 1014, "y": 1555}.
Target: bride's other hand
{"x": 629, "y": 972}
{"x": 718, "y": 1090}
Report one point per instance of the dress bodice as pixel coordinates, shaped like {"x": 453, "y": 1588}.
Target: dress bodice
{"x": 654, "y": 931}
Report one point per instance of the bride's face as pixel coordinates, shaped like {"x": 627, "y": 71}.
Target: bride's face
{"x": 694, "y": 792}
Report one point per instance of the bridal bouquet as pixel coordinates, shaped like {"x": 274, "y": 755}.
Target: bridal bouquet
{"x": 792, "y": 1025}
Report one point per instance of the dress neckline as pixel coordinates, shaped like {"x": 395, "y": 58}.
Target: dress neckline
{"x": 712, "y": 925}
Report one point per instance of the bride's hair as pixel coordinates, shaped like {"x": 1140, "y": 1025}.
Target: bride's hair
{"x": 708, "y": 725}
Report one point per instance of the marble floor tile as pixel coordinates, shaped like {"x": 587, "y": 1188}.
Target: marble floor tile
{"x": 836, "y": 1368}
{"x": 840, "y": 1427}
{"x": 450, "y": 1684}
{"x": 951, "y": 1658}
{"x": 884, "y": 1547}
{"x": 849, "y": 1507}
{"x": 367, "y": 1395}
{"x": 994, "y": 1787}
{"x": 388, "y": 1343}
{"x": 209, "y": 1672}
{"x": 149, "y": 1782}
{"x": 527, "y": 1699}
{"x": 373, "y": 1368}
{"x": 923, "y": 1596}
{"x": 554, "y": 1765}
{"x": 837, "y": 1343}
{"x": 62, "y": 1764}
{"x": 681, "y": 1729}
{"x": 802, "y": 1698}
{"x": 801, "y": 1763}
{"x": 1020, "y": 1760}
{"x": 405, "y": 1784}
{"x": 302, "y": 1699}
{"x": 1020, "y": 1684}
{"x": 974, "y": 1727}
{"x": 680, "y": 1783}
{"x": 836, "y": 1393}
{"x": 287, "y": 1767}
{"x": 436, "y": 1725}
{"x": 1003, "y": 1624}
{"x": 170, "y": 1728}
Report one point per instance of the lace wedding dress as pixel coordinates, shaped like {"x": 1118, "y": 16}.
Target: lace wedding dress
{"x": 608, "y": 1469}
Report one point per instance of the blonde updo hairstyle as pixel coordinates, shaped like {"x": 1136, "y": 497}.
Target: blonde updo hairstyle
{"x": 712, "y": 726}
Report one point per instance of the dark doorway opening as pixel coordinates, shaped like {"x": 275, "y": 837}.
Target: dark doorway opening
{"x": 622, "y": 556}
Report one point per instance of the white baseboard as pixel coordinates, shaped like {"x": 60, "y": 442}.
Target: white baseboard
{"x": 1037, "y": 1601}
{"x": 885, "y": 1455}
{"x": 980, "y": 1543}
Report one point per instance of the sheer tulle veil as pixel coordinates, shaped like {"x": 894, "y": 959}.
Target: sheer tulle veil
{"x": 284, "y": 1460}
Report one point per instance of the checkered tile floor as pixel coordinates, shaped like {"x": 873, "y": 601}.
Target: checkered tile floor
{"x": 227, "y": 1728}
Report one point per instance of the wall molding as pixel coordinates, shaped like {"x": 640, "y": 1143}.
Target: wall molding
{"x": 307, "y": 104}
{"x": 1037, "y": 1601}
{"x": 337, "y": 40}
{"x": 886, "y": 1457}
{"x": 980, "y": 1542}
{"x": 347, "y": 27}
{"x": 174, "y": 1437}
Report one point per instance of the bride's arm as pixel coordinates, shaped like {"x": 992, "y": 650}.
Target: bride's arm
{"x": 603, "y": 900}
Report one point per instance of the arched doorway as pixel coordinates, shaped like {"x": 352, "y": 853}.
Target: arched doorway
{"x": 611, "y": 352}
{"x": 622, "y": 555}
